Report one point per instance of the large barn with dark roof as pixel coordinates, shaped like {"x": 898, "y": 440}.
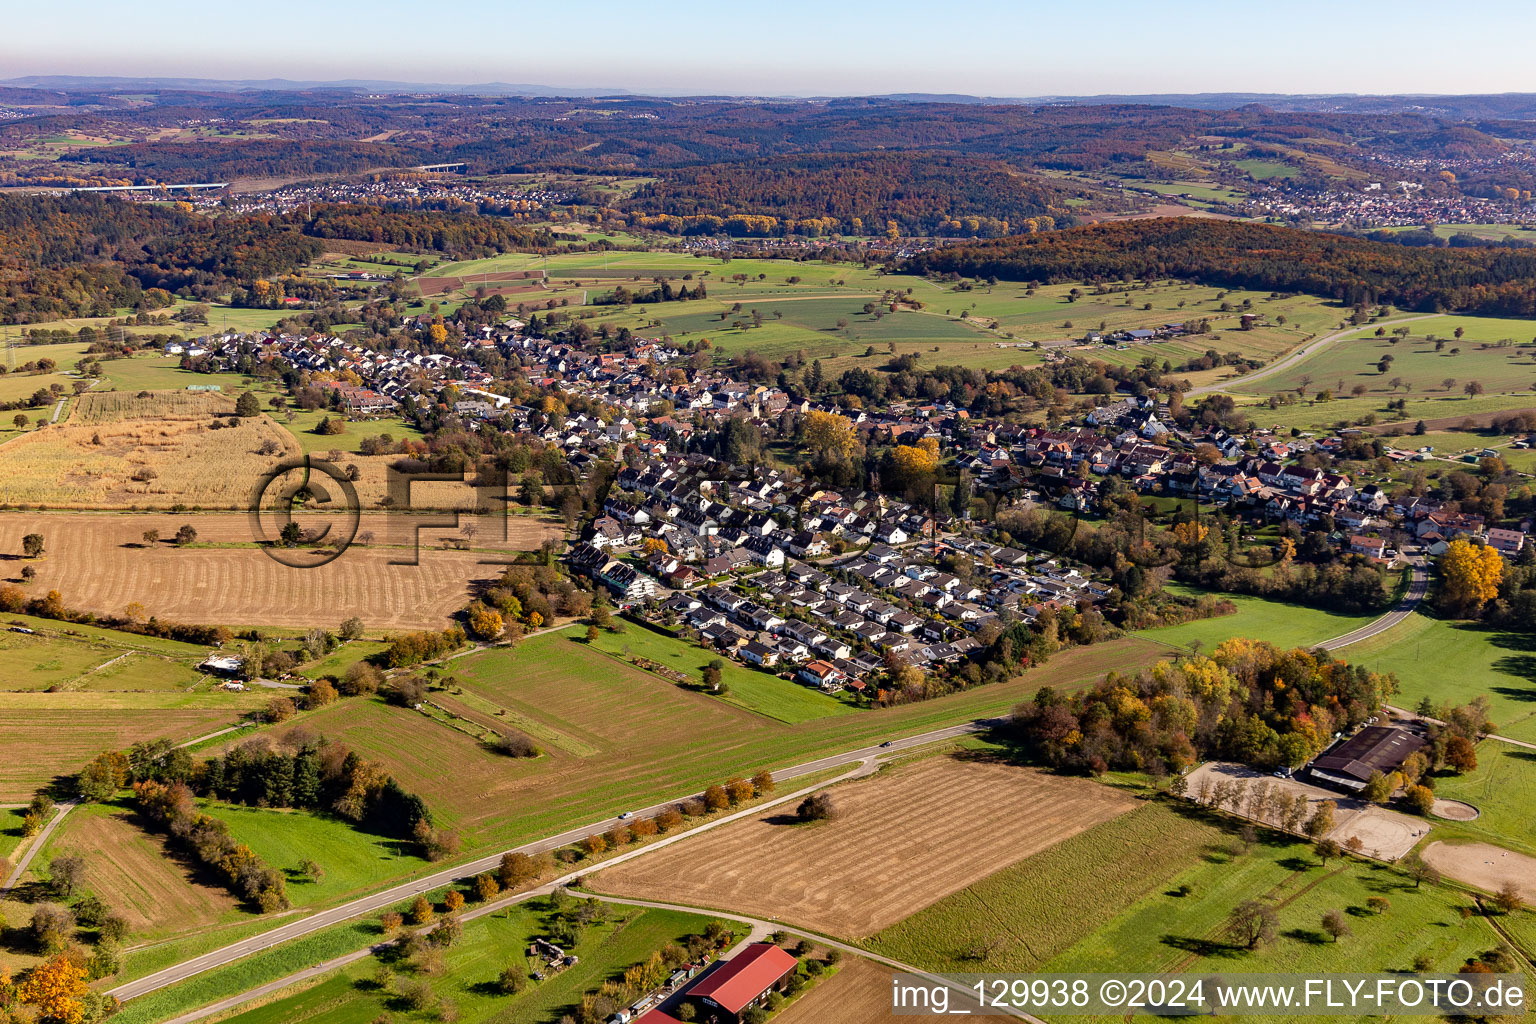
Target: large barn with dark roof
{"x": 1376, "y": 748}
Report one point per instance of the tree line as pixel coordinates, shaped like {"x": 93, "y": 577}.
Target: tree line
{"x": 1258, "y": 256}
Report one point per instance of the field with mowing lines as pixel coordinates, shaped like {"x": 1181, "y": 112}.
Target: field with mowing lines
{"x": 616, "y": 738}
{"x": 99, "y": 563}
{"x": 860, "y": 993}
{"x": 46, "y": 735}
{"x": 898, "y": 842}
{"x": 1028, "y": 912}
{"x": 750, "y": 688}
{"x": 1112, "y": 899}
{"x": 135, "y": 873}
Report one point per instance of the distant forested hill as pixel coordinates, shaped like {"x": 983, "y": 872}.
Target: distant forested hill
{"x": 1247, "y": 255}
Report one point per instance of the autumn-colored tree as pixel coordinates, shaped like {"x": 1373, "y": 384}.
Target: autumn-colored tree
{"x": 594, "y": 844}
{"x": 1419, "y": 799}
{"x": 1321, "y": 822}
{"x": 1469, "y": 576}
{"x": 319, "y": 694}
{"x": 654, "y": 546}
{"x": 486, "y": 887}
{"x": 763, "y": 782}
{"x": 453, "y": 902}
{"x": 55, "y": 989}
{"x": 716, "y": 798}
{"x": 438, "y": 333}
{"x": 484, "y": 622}
{"x": 669, "y": 819}
{"x": 1460, "y": 754}
{"x": 739, "y": 790}
{"x": 829, "y": 434}
{"x": 421, "y": 910}
{"x": 1189, "y": 533}
{"x": 1509, "y": 898}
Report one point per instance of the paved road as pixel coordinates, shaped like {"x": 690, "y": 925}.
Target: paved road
{"x": 758, "y": 924}
{"x": 1418, "y": 586}
{"x": 37, "y": 844}
{"x": 398, "y": 893}
{"x": 865, "y": 767}
{"x": 1405, "y": 713}
{"x": 1305, "y": 351}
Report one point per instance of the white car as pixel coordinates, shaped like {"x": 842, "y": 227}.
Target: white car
{"x": 626, "y": 815}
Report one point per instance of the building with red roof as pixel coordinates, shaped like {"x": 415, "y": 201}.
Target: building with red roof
{"x": 745, "y": 979}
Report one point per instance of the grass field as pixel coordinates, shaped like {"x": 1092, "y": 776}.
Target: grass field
{"x": 1032, "y": 910}
{"x": 38, "y": 662}
{"x": 750, "y": 688}
{"x": 1503, "y": 789}
{"x": 351, "y": 859}
{"x": 957, "y": 818}
{"x": 490, "y": 944}
{"x": 1446, "y": 660}
{"x": 1353, "y": 360}
{"x": 1284, "y": 625}
{"x": 1123, "y": 910}
{"x": 616, "y": 737}
{"x": 10, "y": 829}
{"x": 302, "y": 426}
{"x": 980, "y": 327}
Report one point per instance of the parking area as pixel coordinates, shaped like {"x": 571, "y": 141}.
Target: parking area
{"x": 1383, "y": 834}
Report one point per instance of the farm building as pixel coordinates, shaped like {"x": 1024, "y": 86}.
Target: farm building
{"x": 1376, "y": 748}
{"x": 745, "y": 979}
{"x": 223, "y": 664}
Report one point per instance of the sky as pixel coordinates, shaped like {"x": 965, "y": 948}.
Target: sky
{"x": 798, "y": 47}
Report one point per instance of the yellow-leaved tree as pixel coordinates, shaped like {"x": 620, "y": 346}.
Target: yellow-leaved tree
{"x": 1469, "y": 576}
{"x": 54, "y": 988}
{"x": 827, "y": 433}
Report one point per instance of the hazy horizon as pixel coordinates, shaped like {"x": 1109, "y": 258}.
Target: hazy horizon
{"x": 989, "y": 48}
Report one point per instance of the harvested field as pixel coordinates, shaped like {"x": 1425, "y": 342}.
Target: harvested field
{"x": 99, "y": 562}
{"x": 1485, "y": 866}
{"x": 1382, "y": 833}
{"x": 860, "y": 993}
{"x": 899, "y": 842}
{"x": 54, "y": 734}
{"x": 136, "y": 875}
{"x": 118, "y": 457}
{"x": 97, "y": 407}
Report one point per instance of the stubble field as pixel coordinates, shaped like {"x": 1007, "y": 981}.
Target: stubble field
{"x": 898, "y": 843}
{"x": 99, "y": 562}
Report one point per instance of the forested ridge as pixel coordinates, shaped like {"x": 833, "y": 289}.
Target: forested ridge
{"x": 920, "y": 193}
{"x": 89, "y": 255}
{"x": 1239, "y": 254}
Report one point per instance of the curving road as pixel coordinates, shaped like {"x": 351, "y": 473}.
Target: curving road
{"x": 1418, "y": 586}
{"x": 405, "y": 890}
{"x": 1309, "y": 349}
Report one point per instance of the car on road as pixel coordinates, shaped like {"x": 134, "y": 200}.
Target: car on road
{"x": 626, "y": 815}
{"x": 886, "y": 743}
